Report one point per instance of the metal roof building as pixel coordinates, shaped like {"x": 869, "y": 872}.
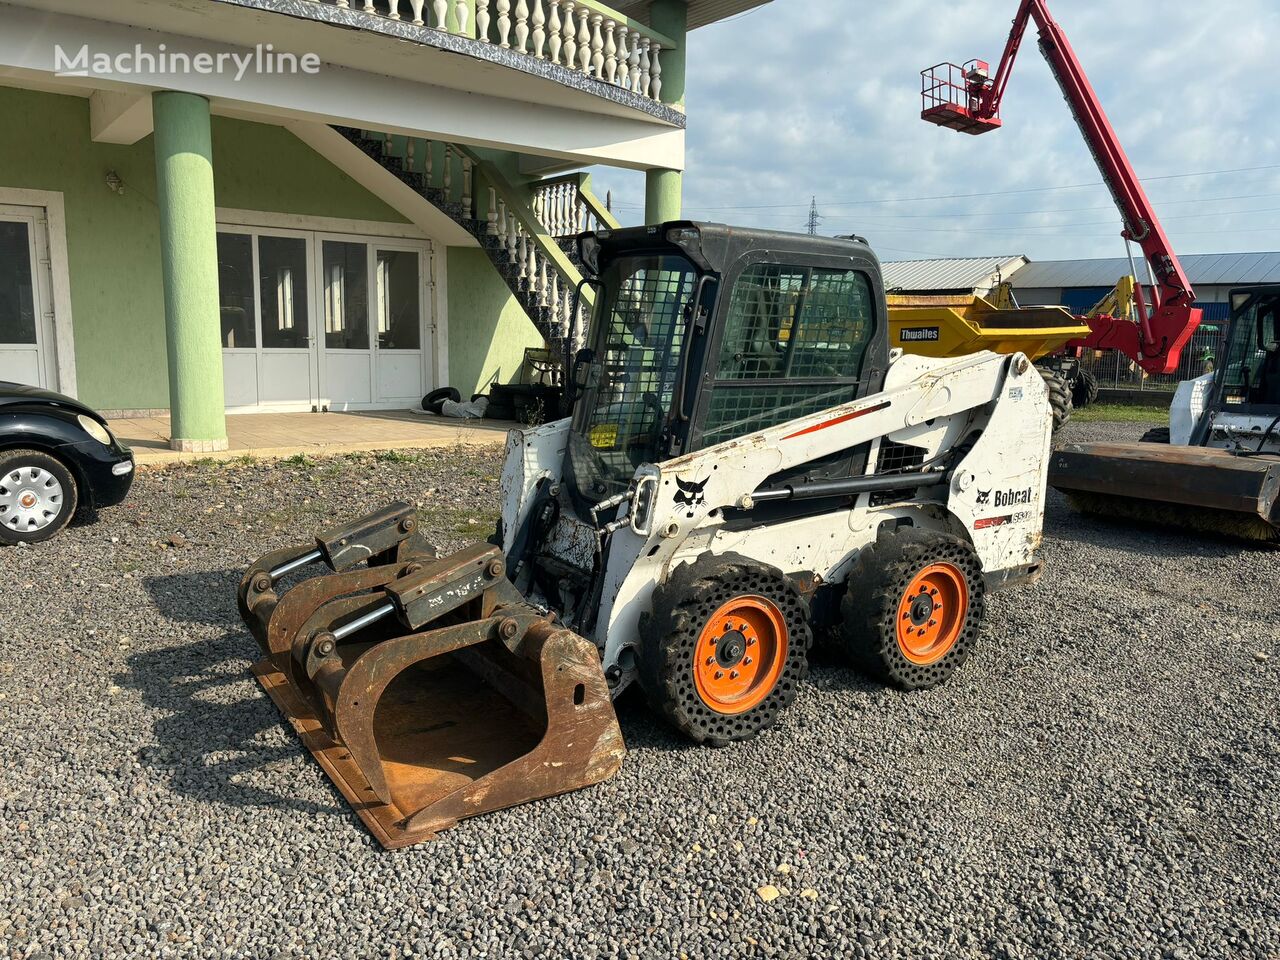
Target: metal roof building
{"x": 959, "y": 275}
{"x": 1077, "y": 284}
{"x": 1206, "y": 269}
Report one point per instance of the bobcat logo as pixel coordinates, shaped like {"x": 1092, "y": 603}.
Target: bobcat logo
{"x": 690, "y": 494}
{"x": 984, "y": 497}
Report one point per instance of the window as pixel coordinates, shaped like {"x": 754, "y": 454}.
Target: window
{"x": 794, "y": 343}
{"x": 398, "y": 306}
{"x": 346, "y": 296}
{"x": 639, "y": 336}
{"x": 282, "y": 279}
{"x": 235, "y": 290}
{"x": 1252, "y": 373}
{"x": 17, "y": 298}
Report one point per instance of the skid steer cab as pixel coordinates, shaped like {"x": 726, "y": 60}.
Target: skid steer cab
{"x": 744, "y": 465}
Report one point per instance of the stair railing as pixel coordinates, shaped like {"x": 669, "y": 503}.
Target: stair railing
{"x": 566, "y": 206}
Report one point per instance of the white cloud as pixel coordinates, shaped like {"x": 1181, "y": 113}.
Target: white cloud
{"x": 805, "y": 97}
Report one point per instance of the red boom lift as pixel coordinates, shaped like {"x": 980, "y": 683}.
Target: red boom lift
{"x": 968, "y": 99}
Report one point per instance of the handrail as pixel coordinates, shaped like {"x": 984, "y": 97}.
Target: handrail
{"x": 566, "y": 206}
{"x": 544, "y": 267}
{"x": 582, "y": 35}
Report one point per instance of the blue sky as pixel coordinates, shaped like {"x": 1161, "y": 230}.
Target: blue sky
{"x": 805, "y": 97}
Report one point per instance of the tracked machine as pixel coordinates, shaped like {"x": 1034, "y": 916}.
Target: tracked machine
{"x": 744, "y": 463}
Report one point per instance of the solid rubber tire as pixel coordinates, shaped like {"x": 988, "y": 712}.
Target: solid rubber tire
{"x": 874, "y": 589}
{"x": 669, "y": 635}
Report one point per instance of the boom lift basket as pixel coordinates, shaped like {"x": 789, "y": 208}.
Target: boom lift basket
{"x": 428, "y": 689}
{"x": 951, "y": 96}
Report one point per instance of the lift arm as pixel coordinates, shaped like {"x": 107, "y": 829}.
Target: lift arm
{"x": 968, "y": 99}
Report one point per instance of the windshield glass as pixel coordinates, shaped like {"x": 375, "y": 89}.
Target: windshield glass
{"x": 638, "y": 336}
{"x": 1252, "y": 373}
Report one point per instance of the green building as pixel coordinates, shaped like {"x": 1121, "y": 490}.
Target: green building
{"x": 278, "y": 205}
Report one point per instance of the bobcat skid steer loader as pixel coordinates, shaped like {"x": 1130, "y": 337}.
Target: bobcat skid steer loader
{"x": 745, "y": 461}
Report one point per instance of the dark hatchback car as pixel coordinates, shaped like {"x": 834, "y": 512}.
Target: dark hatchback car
{"x": 57, "y": 457}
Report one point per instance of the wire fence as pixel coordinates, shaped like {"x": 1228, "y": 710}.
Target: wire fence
{"x": 1114, "y": 370}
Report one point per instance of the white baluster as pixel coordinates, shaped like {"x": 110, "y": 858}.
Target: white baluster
{"x": 554, "y": 27}
{"x": 624, "y": 53}
{"x": 562, "y": 209}
{"x": 467, "y": 174}
{"x": 655, "y": 72}
{"x": 584, "y": 41}
{"x": 610, "y": 51}
{"x": 394, "y": 9}
{"x": 491, "y": 216}
{"x": 643, "y": 89}
{"x": 522, "y": 26}
{"x": 570, "y": 36}
{"x": 409, "y": 153}
{"x": 597, "y": 46}
{"x": 428, "y": 161}
{"x": 504, "y": 23}
{"x": 341, "y": 3}
{"x": 633, "y": 64}
{"x": 482, "y": 20}
{"x": 566, "y": 315}
{"x": 417, "y": 6}
{"x": 461, "y": 10}
{"x": 448, "y": 171}
{"x": 542, "y": 282}
{"x": 553, "y": 296}
{"x": 441, "y": 8}
{"x": 511, "y": 236}
{"x": 522, "y": 256}
{"x": 368, "y": 7}
{"x": 386, "y": 144}
{"x": 539, "y": 21}
{"x": 502, "y": 222}
{"x": 533, "y": 264}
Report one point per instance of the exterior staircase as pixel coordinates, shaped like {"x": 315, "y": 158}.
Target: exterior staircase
{"x": 524, "y": 229}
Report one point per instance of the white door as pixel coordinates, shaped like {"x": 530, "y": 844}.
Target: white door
{"x": 314, "y": 321}
{"x": 269, "y": 353}
{"x": 27, "y": 352}
{"x": 400, "y": 321}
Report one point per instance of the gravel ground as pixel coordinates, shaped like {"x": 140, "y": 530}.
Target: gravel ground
{"x": 1099, "y": 781}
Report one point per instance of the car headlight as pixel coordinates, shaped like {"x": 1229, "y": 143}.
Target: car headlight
{"x": 94, "y": 429}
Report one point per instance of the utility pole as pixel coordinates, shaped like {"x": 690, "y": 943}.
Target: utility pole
{"x": 815, "y": 219}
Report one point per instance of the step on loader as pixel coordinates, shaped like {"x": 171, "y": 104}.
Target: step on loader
{"x": 744, "y": 462}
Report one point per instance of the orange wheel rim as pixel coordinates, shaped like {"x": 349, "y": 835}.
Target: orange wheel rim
{"x": 740, "y": 655}
{"x": 932, "y": 612}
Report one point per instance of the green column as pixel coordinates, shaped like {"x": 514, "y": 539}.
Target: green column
{"x": 189, "y": 261}
{"x": 664, "y": 189}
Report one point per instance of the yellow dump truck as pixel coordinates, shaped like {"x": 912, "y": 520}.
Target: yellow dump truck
{"x": 955, "y": 325}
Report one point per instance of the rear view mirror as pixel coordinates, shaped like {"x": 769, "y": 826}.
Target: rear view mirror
{"x": 582, "y": 368}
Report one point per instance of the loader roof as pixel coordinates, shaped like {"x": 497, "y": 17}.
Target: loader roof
{"x": 721, "y": 244}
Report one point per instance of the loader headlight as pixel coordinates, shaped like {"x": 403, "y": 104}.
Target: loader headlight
{"x": 642, "y": 505}
{"x": 94, "y": 429}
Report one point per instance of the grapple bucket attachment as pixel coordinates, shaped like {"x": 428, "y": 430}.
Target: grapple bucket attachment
{"x": 1198, "y": 488}
{"x": 429, "y": 690}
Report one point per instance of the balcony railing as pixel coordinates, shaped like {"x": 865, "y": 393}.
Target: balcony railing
{"x": 584, "y": 36}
